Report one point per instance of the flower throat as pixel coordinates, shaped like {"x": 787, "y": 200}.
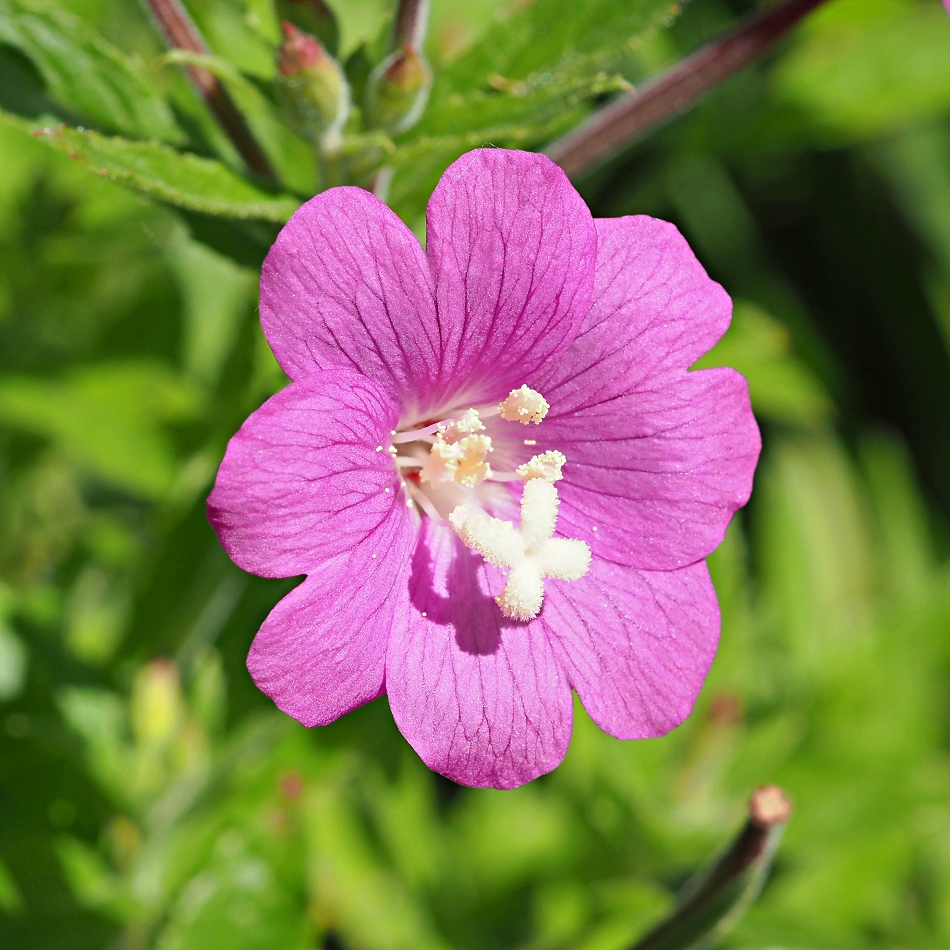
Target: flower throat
{"x": 447, "y": 474}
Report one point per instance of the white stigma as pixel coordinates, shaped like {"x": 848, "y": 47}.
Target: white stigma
{"x": 524, "y": 405}
{"x": 531, "y": 552}
{"x": 547, "y": 465}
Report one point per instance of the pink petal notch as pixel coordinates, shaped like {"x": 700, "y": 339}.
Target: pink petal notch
{"x": 512, "y": 248}
{"x": 346, "y": 284}
{"x": 658, "y": 458}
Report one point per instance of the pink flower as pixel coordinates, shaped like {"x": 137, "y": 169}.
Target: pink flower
{"x": 427, "y": 530}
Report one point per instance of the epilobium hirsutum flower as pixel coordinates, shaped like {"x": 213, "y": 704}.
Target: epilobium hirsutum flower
{"x": 492, "y": 465}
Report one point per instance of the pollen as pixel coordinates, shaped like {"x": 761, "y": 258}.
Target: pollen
{"x": 531, "y": 553}
{"x": 461, "y": 461}
{"x": 524, "y": 405}
{"x": 547, "y": 465}
{"x": 467, "y": 424}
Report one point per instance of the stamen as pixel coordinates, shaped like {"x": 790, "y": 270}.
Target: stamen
{"x": 422, "y": 500}
{"x": 462, "y": 461}
{"x": 547, "y": 465}
{"x": 414, "y": 435}
{"x": 530, "y": 552}
{"x": 467, "y": 424}
{"x": 524, "y": 405}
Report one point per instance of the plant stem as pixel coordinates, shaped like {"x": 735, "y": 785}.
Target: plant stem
{"x": 713, "y": 902}
{"x": 409, "y": 26}
{"x": 181, "y": 33}
{"x": 675, "y": 90}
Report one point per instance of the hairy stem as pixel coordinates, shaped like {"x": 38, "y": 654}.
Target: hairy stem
{"x": 409, "y": 27}
{"x": 675, "y": 90}
{"x": 181, "y": 33}
{"x": 714, "y": 901}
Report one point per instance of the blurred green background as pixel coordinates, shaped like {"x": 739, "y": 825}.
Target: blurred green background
{"x": 150, "y": 797}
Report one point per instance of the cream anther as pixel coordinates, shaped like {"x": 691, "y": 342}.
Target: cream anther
{"x": 467, "y": 424}
{"x": 524, "y": 405}
{"x": 462, "y": 461}
{"x": 547, "y": 465}
{"x": 530, "y": 552}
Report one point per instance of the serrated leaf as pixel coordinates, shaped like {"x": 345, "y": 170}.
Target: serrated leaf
{"x": 180, "y": 178}
{"x": 291, "y": 156}
{"x": 84, "y": 73}
{"x": 531, "y": 62}
{"x": 528, "y": 79}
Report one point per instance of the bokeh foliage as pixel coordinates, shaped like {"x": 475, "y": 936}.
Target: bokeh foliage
{"x": 151, "y": 798}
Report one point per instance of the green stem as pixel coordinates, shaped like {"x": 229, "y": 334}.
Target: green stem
{"x": 712, "y": 903}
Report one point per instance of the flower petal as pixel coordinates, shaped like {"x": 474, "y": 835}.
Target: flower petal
{"x": 658, "y": 458}
{"x": 512, "y": 247}
{"x": 322, "y": 650}
{"x": 307, "y": 476}
{"x": 658, "y": 473}
{"x": 636, "y": 645}
{"x": 347, "y": 284}
{"x": 654, "y": 310}
{"x": 480, "y": 698}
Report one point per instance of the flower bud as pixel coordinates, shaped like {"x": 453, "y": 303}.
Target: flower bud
{"x": 156, "y": 709}
{"x": 313, "y": 17}
{"x": 312, "y": 91}
{"x": 397, "y": 90}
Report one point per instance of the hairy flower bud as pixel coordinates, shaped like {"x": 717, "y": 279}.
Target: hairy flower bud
{"x": 397, "y": 90}
{"x": 312, "y": 91}
{"x": 313, "y": 17}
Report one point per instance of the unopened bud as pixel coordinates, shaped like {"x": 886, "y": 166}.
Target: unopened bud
{"x": 312, "y": 91}
{"x": 313, "y": 17}
{"x": 397, "y": 90}
{"x": 156, "y": 704}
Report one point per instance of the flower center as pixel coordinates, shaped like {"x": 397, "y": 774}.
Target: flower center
{"x": 447, "y": 475}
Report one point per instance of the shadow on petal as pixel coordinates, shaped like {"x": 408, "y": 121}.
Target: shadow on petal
{"x": 449, "y": 586}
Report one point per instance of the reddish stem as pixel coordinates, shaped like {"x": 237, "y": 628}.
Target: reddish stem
{"x": 675, "y": 90}
{"x": 181, "y": 33}
{"x": 409, "y": 27}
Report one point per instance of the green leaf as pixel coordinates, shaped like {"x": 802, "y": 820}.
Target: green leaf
{"x": 185, "y": 180}
{"x": 781, "y": 386}
{"x": 84, "y": 73}
{"x": 13, "y": 659}
{"x": 237, "y": 902}
{"x": 217, "y": 296}
{"x": 529, "y": 78}
{"x": 869, "y": 66}
{"x": 291, "y": 156}
{"x": 11, "y": 900}
{"x": 352, "y": 890}
{"x": 91, "y": 879}
{"x": 108, "y": 418}
{"x": 98, "y": 718}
